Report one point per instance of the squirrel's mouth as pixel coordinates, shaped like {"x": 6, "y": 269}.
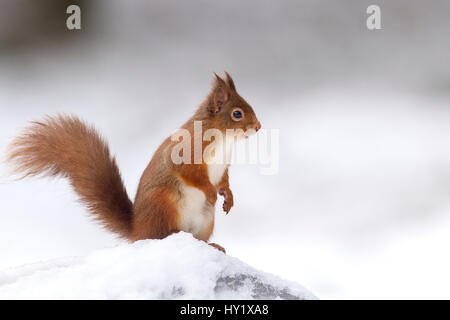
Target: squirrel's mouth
{"x": 249, "y": 133}
{"x": 244, "y": 134}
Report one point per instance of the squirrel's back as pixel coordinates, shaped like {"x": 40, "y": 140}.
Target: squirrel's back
{"x": 66, "y": 146}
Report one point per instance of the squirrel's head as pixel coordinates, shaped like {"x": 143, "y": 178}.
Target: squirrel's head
{"x": 228, "y": 110}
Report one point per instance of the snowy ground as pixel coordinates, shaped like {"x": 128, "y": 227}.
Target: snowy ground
{"x": 178, "y": 267}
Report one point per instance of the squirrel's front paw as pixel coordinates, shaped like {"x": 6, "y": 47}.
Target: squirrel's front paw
{"x": 228, "y": 199}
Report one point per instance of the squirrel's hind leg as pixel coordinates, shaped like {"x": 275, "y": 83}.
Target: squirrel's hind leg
{"x": 156, "y": 216}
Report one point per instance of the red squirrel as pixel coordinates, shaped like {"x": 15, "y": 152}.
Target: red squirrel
{"x": 170, "y": 197}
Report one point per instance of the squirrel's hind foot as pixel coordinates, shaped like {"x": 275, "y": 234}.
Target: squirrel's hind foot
{"x": 218, "y": 247}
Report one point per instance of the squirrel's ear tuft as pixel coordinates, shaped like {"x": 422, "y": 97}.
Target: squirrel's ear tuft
{"x": 220, "y": 95}
{"x": 218, "y": 81}
{"x": 230, "y": 81}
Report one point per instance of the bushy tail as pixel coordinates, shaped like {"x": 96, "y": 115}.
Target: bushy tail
{"x": 65, "y": 146}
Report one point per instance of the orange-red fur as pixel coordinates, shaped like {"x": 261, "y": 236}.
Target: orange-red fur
{"x": 66, "y": 146}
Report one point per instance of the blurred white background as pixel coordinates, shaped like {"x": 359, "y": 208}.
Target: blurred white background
{"x": 360, "y": 207}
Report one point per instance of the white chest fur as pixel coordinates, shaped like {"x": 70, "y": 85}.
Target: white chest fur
{"x": 218, "y": 161}
{"x": 196, "y": 213}
{"x": 215, "y": 172}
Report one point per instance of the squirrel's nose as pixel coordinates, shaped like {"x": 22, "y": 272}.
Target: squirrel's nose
{"x": 258, "y": 126}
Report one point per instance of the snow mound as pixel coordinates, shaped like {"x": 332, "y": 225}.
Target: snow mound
{"x": 178, "y": 267}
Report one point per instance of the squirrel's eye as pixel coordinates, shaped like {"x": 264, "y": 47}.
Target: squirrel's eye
{"x": 237, "y": 114}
